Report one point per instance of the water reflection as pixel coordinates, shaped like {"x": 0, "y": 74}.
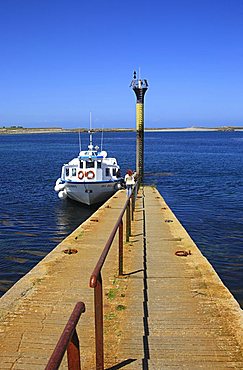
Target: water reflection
{"x": 71, "y": 214}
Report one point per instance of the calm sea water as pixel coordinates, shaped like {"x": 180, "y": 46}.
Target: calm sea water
{"x": 200, "y": 175}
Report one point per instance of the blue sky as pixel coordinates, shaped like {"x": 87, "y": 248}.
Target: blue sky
{"x": 59, "y": 60}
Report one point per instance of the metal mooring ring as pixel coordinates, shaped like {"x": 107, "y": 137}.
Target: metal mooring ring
{"x": 70, "y": 251}
{"x": 183, "y": 253}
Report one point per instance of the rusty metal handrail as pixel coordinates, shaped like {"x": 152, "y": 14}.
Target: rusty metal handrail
{"x": 96, "y": 278}
{"x": 68, "y": 341}
{"x": 99, "y": 265}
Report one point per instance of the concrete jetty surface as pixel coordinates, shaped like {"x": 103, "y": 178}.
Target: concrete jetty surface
{"x": 179, "y": 315}
{"x": 168, "y": 311}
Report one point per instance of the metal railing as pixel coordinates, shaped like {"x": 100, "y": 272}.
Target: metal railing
{"x": 96, "y": 278}
{"x": 68, "y": 341}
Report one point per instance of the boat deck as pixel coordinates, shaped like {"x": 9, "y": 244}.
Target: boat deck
{"x": 168, "y": 311}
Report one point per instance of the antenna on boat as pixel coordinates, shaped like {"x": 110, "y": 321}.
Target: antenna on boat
{"x": 90, "y": 120}
{"x": 102, "y": 138}
{"x": 90, "y": 128}
{"x": 90, "y": 131}
{"x": 79, "y": 139}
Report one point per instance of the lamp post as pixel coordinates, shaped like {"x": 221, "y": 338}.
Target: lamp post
{"x": 139, "y": 87}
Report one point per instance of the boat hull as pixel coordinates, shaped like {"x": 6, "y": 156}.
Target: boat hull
{"x": 91, "y": 192}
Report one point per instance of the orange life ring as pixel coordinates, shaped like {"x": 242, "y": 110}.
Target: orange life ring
{"x": 90, "y": 174}
{"x": 80, "y": 175}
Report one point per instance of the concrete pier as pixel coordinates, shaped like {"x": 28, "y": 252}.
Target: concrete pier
{"x": 168, "y": 311}
{"x": 179, "y": 314}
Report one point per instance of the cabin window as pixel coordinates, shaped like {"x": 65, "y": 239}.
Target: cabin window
{"x": 73, "y": 171}
{"x": 89, "y": 164}
{"x": 107, "y": 172}
{"x": 99, "y": 164}
{"x": 81, "y": 164}
{"x": 67, "y": 172}
{"x": 113, "y": 172}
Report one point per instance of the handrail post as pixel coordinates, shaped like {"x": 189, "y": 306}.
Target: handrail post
{"x": 128, "y": 222}
{"x": 73, "y": 353}
{"x": 133, "y": 202}
{"x": 132, "y": 207}
{"x": 121, "y": 248}
{"x": 68, "y": 341}
{"x": 99, "y": 341}
{"x": 130, "y": 219}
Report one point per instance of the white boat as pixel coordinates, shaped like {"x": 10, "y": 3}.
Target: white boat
{"x": 90, "y": 178}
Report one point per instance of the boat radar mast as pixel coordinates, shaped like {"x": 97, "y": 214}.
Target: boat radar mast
{"x": 90, "y": 146}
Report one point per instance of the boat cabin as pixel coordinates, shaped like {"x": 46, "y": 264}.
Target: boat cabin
{"x": 91, "y": 166}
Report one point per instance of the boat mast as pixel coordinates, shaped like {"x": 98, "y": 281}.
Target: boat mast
{"x": 79, "y": 139}
{"x": 90, "y": 133}
{"x": 102, "y": 138}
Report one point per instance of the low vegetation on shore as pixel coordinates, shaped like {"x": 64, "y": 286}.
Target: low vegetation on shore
{"x": 24, "y": 130}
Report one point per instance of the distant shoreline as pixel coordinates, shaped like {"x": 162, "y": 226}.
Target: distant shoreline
{"x": 22, "y": 130}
